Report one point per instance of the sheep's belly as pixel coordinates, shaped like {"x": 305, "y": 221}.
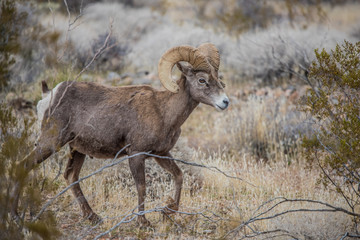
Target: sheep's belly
{"x": 97, "y": 149}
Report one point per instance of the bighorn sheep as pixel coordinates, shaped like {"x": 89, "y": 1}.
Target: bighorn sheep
{"x": 98, "y": 121}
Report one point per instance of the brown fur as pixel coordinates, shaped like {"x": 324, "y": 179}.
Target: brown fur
{"x": 98, "y": 121}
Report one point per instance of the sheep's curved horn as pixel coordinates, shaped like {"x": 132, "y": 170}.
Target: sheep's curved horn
{"x": 172, "y": 56}
{"x": 212, "y": 54}
{"x": 213, "y": 57}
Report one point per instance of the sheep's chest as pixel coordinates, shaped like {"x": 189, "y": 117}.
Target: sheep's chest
{"x": 168, "y": 142}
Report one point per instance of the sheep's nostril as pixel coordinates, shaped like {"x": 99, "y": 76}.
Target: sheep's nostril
{"x": 226, "y": 101}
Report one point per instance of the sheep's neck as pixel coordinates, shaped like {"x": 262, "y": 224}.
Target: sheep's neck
{"x": 178, "y": 106}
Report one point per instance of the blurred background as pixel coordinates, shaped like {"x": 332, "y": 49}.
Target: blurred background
{"x": 259, "y": 41}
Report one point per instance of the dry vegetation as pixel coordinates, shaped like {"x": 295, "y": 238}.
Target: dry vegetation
{"x": 256, "y": 141}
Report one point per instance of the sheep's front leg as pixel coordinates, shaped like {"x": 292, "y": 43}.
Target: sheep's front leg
{"x": 137, "y": 168}
{"x": 170, "y": 166}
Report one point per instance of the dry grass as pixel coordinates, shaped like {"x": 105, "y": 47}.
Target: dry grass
{"x": 346, "y": 16}
{"x": 226, "y": 201}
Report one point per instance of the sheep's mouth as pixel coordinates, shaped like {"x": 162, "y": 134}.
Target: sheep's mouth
{"x": 219, "y": 107}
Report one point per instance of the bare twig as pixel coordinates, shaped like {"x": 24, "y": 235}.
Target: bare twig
{"x": 282, "y": 233}
{"x": 332, "y": 181}
{"x": 70, "y": 23}
{"x": 103, "y": 48}
{"x": 348, "y": 235}
{"x": 211, "y": 168}
{"x": 263, "y": 215}
{"x": 128, "y": 218}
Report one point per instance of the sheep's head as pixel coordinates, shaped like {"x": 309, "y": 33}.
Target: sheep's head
{"x": 201, "y": 74}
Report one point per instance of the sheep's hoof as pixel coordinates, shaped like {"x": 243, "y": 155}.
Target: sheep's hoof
{"x": 143, "y": 222}
{"x": 94, "y": 218}
{"x": 171, "y": 206}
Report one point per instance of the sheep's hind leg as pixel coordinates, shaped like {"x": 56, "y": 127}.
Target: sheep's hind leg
{"x": 71, "y": 175}
{"x": 137, "y": 168}
{"x": 170, "y": 166}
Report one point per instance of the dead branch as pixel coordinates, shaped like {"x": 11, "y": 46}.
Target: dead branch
{"x": 211, "y": 168}
{"x": 348, "y": 235}
{"x": 274, "y": 203}
{"x": 70, "y": 24}
{"x": 103, "y": 48}
{"x": 282, "y": 233}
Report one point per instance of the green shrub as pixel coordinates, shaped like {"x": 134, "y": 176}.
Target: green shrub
{"x": 334, "y": 102}
{"x": 16, "y": 143}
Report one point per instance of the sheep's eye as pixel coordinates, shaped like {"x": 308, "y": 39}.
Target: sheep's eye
{"x": 202, "y": 80}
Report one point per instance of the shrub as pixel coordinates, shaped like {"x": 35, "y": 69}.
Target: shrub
{"x": 267, "y": 128}
{"x": 73, "y": 6}
{"x": 11, "y": 22}
{"x": 15, "y": 140}
{"x": 245, "y": 15}
{"x": 334, "y": 102}
{"x": 24, "y": 44}
{"x": 112, "y": 59}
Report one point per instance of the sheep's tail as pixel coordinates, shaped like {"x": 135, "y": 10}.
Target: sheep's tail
{"x": 44, "y": 87}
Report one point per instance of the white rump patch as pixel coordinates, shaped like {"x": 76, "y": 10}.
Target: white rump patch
{"x": 45, "y": 103}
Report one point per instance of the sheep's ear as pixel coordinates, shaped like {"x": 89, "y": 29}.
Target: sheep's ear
{"x": 185, "y": 68}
